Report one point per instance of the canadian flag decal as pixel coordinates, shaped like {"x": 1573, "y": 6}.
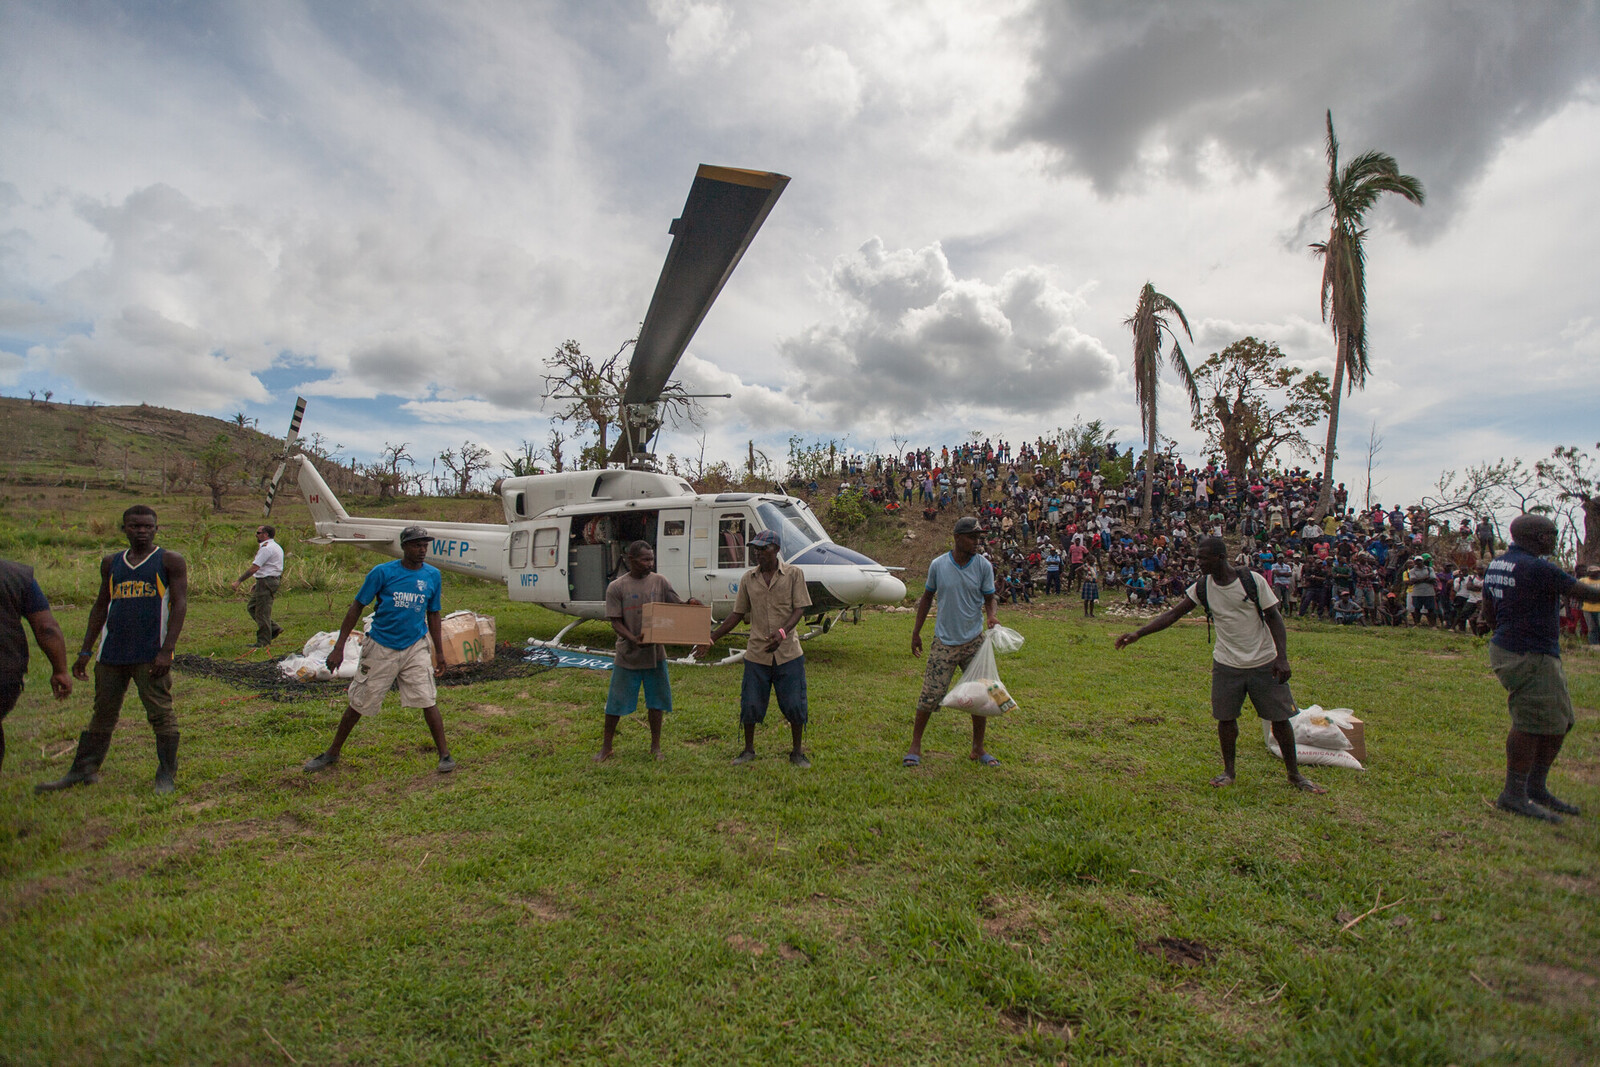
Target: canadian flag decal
{"x": 314, "y": 497}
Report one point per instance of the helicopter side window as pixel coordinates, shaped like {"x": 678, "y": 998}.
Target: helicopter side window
{"x": 519, "y": 549}
{"x": 731, "y": 541}
{"x": 545, "y": 545}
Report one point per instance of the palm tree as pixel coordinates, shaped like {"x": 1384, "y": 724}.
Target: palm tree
{"x": 1351, "y": 194}
{"x": 1149, "y": 322}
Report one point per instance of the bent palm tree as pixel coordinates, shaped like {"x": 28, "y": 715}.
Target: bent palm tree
{"x": 1149, "y": 322}
{"x": 1351, "y": 194}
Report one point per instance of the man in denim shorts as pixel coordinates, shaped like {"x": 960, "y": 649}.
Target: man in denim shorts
{"x": 405, "y": 644}
{"x": 964, "y": 583}
{"x": 1251, "y": 657}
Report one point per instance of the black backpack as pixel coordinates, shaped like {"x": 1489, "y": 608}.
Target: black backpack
{"x": 1247, "y": 579}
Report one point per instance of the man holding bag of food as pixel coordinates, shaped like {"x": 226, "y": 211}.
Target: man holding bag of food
{"x": 963, "y": 582}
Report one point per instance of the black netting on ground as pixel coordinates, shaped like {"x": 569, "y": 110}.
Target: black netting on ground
{"x": 263, "y": 676}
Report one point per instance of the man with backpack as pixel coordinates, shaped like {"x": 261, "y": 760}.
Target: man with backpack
{"x": 1251, "y": 655}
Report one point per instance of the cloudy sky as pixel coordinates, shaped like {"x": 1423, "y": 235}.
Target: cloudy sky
{"x": 400, "y": 209}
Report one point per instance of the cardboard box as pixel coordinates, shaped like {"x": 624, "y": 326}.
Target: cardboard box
{"x": 486, "y": 637}
{"x": 462, "y": 640}
{"x": 677, "y": 624}
{"x": 1357, "y": 736}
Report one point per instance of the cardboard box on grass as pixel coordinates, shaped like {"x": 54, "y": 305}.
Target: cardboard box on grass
{"x": 462, "y": 632}
{"x": 676, "y": 624}
{"x": 1357, "y": 736}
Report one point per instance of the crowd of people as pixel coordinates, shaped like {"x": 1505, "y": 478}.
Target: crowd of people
{"x": 1055, "y": 524}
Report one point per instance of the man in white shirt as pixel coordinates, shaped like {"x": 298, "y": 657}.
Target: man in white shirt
{"x": 1251, "y": 655}
{"x": 267, "y": 570}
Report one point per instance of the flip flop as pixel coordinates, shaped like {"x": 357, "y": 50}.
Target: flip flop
{"x": 988, "y": 760}
{"x": 911, "y": 761}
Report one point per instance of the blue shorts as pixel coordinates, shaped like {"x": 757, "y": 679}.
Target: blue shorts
{"x": 761, "y": 680}
{"x": 623, "y": 698}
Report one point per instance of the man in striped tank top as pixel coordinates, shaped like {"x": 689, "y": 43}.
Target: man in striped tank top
{"x": 144, "y": 595}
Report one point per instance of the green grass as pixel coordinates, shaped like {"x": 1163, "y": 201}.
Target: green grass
{"x": 535, "y": 907}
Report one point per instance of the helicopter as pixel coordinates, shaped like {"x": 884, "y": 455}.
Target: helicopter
{"x": 565, "y": 534}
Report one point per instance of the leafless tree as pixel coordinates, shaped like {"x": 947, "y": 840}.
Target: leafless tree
{"x": 465, "y": 464}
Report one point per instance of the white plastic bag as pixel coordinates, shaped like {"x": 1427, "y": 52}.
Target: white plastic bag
{"x": 1005, "y": 640}
{"x": 980, "y": 691}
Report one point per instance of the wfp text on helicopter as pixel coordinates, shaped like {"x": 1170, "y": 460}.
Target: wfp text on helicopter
{"x": 564, "y": 534}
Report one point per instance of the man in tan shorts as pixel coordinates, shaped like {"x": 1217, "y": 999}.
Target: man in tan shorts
{"x": 405, "y": 643}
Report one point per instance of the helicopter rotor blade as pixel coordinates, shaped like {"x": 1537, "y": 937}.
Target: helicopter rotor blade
{"x": 725, "y": 208}
{"x": 288, "y": 448}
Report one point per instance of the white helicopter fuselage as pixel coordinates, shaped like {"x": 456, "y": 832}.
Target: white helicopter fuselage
{"x": 565, "y": 534}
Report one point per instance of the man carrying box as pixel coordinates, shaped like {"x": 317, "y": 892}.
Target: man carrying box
{"x": 773, "y": 596}
{"x": 405, "y": 644}
{"x": 637, "y": 665}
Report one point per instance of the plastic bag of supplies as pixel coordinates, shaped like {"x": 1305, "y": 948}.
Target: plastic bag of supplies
{"x": 980, "y": 691}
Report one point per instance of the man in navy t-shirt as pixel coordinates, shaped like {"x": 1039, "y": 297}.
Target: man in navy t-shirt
{"x": 21, "y": 600}
{"x": 1522, "y": 596}
{"x": 405, "y": 644}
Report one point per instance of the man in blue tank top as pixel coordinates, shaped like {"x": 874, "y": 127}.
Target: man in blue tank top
{"x": 405, "y": 645}
{"x": 1522, "y": 595}
{"x": 144, "y": 596}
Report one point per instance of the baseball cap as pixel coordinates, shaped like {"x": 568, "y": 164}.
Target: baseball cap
{"x": 967, "y": 525}
{"x": 414, "y": 533}
{"x": 764, "y": 539}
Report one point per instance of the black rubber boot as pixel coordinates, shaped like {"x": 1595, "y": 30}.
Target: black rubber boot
{"x": 1540, "y": 794}
{"x": 167, "y": 753}
{"x": 85, "y": 765}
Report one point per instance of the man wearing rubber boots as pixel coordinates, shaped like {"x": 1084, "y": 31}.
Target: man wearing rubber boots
{"x": 144, "y": 596}
{"x": 1522, "y": 594}
{"x": 963, "y": 581}
{"x": 1251, "y": 656}
{"x": 406, "y": 644}
{"x": 773, "y": 596}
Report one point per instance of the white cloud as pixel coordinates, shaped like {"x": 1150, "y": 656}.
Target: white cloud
{"x": 916, "y": 340}
{"x": 698, "y": 32}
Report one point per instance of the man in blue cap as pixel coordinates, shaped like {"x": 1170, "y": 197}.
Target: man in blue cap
{"x": 405, "y": 645}
{"x": 773, "y": 596}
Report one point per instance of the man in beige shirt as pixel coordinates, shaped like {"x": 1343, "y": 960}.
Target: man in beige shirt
{"x": 773, "y": 596}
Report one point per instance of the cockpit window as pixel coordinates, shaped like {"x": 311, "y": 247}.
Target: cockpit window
{"x": 796, "y": 528}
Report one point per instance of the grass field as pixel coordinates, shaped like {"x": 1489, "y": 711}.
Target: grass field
{"x": 536, "y": 907}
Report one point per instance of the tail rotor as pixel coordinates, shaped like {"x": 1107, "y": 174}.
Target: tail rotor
{"x": 288, "y": 450}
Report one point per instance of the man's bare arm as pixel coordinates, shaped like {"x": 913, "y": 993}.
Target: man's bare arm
{"x": 53, "y": 643}
{"x": 1159, "y": 623}
{"x": 177, "y": 610}
{"x": 97, "y": 621}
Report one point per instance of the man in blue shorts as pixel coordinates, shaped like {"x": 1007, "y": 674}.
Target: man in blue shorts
{"x": 404, "y": 645}
{"x": 773, "y": 596}
{"x": 1522, "y": 596}
{"x": 637, "y": 665}
{"x": 963, "y": 581}
{"x": 1251, "y": 656}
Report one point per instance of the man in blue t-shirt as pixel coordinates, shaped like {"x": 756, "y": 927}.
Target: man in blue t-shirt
{"x": 1522, "y": 596}
{"x": 405, "y": 643}
{"x": 964, "y": 583}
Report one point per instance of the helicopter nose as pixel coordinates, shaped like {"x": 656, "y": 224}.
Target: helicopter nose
{"x": 865, "y": 586}
{"x": 889, "y": 590}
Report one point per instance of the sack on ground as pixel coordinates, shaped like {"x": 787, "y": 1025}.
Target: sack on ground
{"x": 1318, "y": 739}
{"x": 980, "y": 691}
{"x": 312, "y": 664}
